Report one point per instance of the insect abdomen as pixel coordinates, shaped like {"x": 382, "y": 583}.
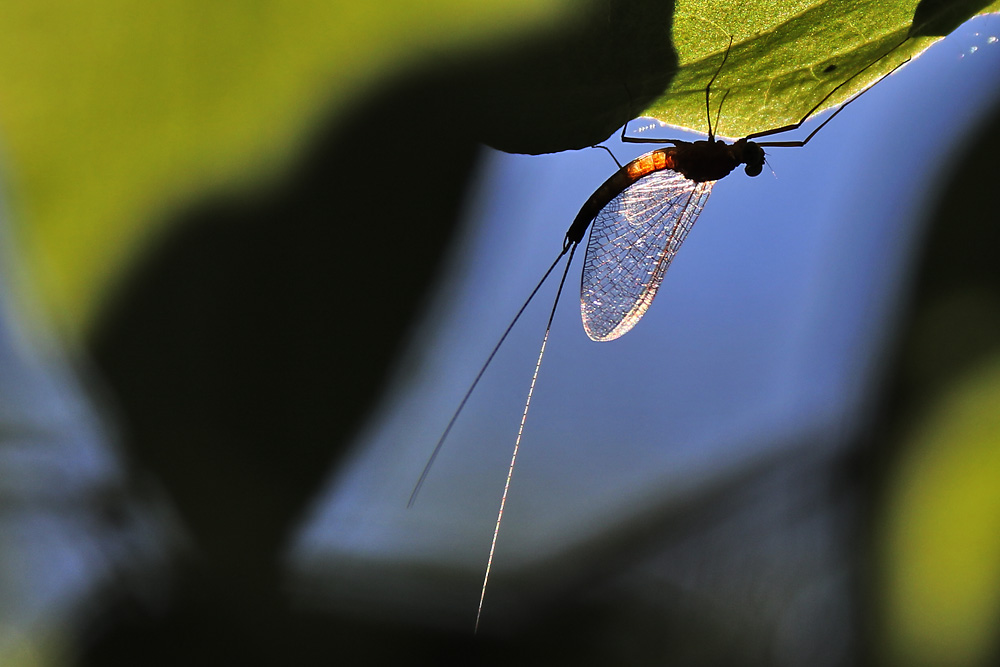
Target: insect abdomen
{"x": 644, "y": 165}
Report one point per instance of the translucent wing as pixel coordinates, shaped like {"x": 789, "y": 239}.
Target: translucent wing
{"x": 632, "y": 242}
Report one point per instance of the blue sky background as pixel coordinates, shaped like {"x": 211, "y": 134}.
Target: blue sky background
{"x": 766, "y": 336}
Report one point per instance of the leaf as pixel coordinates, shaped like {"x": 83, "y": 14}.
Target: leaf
{"x": 937, "y": 542}
{"x": 609, "y": 65}
{"x": 575, "y": 87}
{"x": 786, "y": 58}
{"x": 940, "y": 545}
{"x": 115, "y": 112}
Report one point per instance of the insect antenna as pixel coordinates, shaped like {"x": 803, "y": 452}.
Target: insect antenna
{"x": 479, "y": 376}
{"x": 520, "y": 428}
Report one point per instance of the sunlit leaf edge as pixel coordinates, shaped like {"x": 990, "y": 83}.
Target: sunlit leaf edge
{"x": 774, "y": 77}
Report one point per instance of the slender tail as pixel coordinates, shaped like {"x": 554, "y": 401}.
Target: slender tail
{"x": 479, "y": 375}
{"x": 520, "y": 429}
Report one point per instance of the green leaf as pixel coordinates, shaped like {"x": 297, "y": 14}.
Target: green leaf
{"x": 115, "y": 112}
{"x": 787, "y": 57}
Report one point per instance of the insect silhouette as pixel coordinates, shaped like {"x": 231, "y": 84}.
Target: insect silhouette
{"x": 638, "y": 219}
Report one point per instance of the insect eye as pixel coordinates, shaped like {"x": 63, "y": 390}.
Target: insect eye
{"x": 753, "y": 157}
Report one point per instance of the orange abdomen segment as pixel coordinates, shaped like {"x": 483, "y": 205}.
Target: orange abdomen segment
{"x": 658, "y": 160}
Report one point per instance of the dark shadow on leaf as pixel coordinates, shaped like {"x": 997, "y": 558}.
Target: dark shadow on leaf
{"x": 247, "y": 349}
{"x": 937, "y": 18}
{"x": 575, "y": 90}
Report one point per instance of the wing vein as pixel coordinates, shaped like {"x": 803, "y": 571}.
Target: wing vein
{"x": 632, "y": 241}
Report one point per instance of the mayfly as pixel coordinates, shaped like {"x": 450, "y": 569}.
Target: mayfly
{"x": 638, "y": 219}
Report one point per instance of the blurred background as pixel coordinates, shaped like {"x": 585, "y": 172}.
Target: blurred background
{"x": 252, "y": 260}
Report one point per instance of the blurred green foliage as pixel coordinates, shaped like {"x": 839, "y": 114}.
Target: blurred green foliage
{"x": 113, "y": 111}
{"x": 942, "y": 581}
{"x": 937, "y": 534}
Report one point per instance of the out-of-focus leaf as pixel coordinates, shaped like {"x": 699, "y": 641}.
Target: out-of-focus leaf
{"x": 942, "y": 586}
{"x": 113, "y": 111}
{"x": 938, "y": 536}
{"x": 578, "y": 86}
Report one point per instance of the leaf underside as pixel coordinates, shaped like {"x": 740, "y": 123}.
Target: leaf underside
{"x": 784, "y": 60}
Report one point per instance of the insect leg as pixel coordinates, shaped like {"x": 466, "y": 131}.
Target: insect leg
{"x": 609, "y": 151}
{"x": 803, "y": 142}
{"x": 808, "y": 115}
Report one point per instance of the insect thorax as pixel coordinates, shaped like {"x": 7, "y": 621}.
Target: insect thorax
{"x": 711, "y": 160}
